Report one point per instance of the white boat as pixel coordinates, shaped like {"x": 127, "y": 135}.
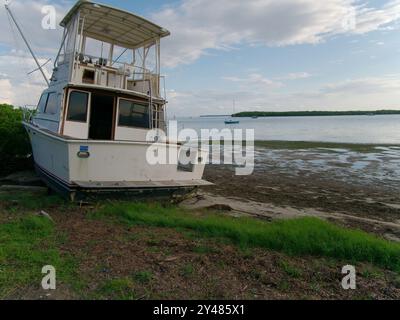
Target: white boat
{"x": 232, "y": 121}
{"x": 89, "y": 131}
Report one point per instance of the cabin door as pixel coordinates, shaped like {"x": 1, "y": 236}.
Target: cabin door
{"x": 101, "y": 124}
{"x": 76, "y": 123}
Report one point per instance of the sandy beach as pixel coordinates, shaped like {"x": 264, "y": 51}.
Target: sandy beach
{"x": 356, "y": 186}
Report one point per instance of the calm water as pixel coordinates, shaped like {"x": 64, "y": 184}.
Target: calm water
{"x": 352, "y": 129}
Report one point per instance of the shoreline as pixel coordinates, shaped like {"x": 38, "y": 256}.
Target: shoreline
{"x": 293, "y": 145}
{"x": 273, "y": 114}
{"x": 356, "y": 182}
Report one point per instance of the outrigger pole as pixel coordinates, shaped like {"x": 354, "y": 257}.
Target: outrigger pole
{"x": 27, "y": 44}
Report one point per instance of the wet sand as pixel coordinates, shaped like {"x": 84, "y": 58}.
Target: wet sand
{"x": 357, "y": 188}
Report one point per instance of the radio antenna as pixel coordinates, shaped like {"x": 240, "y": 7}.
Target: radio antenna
{"x": 26, "y": 42}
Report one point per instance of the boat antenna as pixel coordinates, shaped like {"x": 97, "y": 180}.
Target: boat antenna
{"x": 26, "y": 42}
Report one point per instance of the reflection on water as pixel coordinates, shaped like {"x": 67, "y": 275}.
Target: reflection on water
{"x": 383, "y": 129}
{"x": 380, "y": 166}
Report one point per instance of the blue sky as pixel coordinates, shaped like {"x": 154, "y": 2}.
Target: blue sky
{"x": 265, "y": 54}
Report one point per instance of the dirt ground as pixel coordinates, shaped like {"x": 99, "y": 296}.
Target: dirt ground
{"x": 182, "y": 266}
{"x": 331, "y": 185}
{"x": 159, "y": 263}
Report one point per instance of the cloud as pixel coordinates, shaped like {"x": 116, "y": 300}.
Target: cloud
{"x": 198, "y": 26}
{"x": 16, "y": 86}
{"x": 6, "y": 91}
{"x": 296, "y": 76}
{"x": 28, "y": 14}
{"x": 365, "y": 86}
{"x": 361, "y": 93}
{"x": 369, "y": 19}
{"x": 254, "y": 80}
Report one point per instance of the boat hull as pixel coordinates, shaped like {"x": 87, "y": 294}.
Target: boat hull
{"x": 84, "y": 167}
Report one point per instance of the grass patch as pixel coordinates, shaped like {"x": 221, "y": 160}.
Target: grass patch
{"x": 306, "y": 236}
{"x": 31, "y": 201}
{"x": 117, "y": 289}
{"x": 202, "y": 249}
{"x": 143, "y": 277}
{"x": 372, "y": 273}
{"x": 187, "y": 270}
{"x": 27, "y": 245}
{"x": 290, "y": 270}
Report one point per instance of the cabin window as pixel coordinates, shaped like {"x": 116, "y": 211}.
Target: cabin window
{"x": 88, "y": 76}
{"x": 78, "y": 105}
{"x": 51, "y": 106}
{"x": 133, "y": 114}
{"x": 42, "y": 103}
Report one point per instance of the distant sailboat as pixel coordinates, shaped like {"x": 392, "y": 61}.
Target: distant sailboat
{"x": 232, "y": 121}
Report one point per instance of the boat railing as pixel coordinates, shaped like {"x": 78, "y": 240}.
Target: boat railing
{"x": 28, "y": 111}
{"x": 100, "y": 71}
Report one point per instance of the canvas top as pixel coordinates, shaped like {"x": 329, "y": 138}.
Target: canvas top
{"x": 119, "y": 27}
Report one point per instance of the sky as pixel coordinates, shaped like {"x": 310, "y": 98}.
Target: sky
{"x": 266, "y": 55}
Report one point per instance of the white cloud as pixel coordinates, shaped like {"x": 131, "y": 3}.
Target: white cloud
{"x": 200, "y": 25}
{"x": 366, "y": 86}
{"x": 296, "y": 76}
{"x": 28, "y": 14}
{"x": 369, "y": 19}
{"x": 6, "y": 91}
{"x": 362, "y": 93}
{"x": 255, "y": 81}
{"x": 17, "y": 87}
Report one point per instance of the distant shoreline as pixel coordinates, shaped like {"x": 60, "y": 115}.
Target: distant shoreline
{"x": 262, "y": 114}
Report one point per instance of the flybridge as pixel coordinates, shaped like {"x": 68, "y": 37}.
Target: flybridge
{"x": 113, "y": 25}
{"x": 109, "y": 47}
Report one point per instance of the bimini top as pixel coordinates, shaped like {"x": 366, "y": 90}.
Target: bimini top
{"x": 108, "y": 24}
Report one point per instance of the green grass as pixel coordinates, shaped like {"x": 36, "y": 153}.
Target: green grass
{"x": 202, "y": 249}
{"x": 143, "y": 277}
{"x": 306, "y": 236}
{"x": 187, "y": 270}
{"x": 118, "y": 289}
{"x": 290, "y": 270}
{"x": 31, "y": 201}
{"x": 26, "y": 246}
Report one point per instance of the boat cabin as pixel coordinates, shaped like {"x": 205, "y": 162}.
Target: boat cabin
{"x": 106, "y": 83}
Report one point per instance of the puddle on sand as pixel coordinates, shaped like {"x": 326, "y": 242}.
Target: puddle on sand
{"x": 379, "y": 166}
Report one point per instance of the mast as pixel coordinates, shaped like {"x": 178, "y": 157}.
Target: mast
{"x": 27, "y": 44}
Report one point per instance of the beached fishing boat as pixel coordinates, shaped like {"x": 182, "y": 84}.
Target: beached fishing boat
{"x": 90, "y": 130}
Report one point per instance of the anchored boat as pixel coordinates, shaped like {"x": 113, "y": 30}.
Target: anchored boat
{"x": 91, "y": 127}
{"x": 232, "y": 121}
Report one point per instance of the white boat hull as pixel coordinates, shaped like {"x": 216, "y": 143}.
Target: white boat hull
{"x": 110, "y": 165}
